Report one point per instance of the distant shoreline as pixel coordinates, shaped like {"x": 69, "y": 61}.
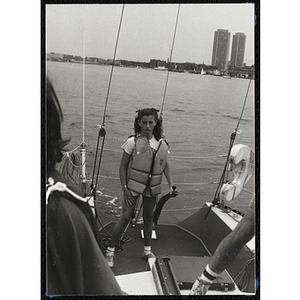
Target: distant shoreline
{"x": 191, "y": 68}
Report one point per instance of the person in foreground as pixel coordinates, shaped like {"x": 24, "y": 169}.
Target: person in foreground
{"x": 75, "y": 262}
{"x": 142, "y": 165}
{"x": 226, "y": 252}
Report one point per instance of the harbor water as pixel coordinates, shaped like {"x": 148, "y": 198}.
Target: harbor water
{"x": 199, "y": 114}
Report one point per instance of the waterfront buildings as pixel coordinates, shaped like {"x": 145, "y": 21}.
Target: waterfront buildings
{"x": 221, "y": 49}
{"x": 238, "y": 50}
{"x": 157, "y": 64}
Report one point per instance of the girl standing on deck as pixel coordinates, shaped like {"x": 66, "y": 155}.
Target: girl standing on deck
{"x": 143, "y": 162}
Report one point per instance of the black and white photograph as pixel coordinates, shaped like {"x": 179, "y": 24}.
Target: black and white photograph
{"x": 151, "y": 149}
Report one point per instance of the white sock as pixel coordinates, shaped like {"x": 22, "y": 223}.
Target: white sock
{"x": 208, "y": 275}
{"x": 147, "y": 249}
{"x": 110, "y": 250}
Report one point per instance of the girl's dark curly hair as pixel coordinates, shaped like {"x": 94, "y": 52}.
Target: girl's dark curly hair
{"x": 157, "y": 131}
{"x": 54, "y": 117}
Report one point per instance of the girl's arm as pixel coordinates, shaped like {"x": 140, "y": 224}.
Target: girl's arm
{"x": 168, "y": 174}
{"x": 128, "y": 198}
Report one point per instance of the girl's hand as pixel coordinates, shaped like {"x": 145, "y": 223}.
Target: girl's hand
{"x": 128, "y": 198}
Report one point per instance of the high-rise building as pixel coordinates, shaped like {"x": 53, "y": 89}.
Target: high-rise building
{"x": 238, "y": 50}
{"x": 221, "y": 49}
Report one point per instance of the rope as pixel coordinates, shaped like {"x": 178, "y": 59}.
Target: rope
{"x": 83, "y": 144}
{"x": 69, "y": 154}
{"x": 68, "y": 167}
{"x": 73, "y": 164}
{"x": 75, "y": 149}
{"x": 171, "y": 52}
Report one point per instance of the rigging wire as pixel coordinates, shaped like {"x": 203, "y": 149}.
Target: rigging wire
{"x": 83, "y": 145}
{"x": 216, "y": 199}
{"x": 232, "y": 138}
{"x": 102, "y": 131}
{"x": 113, "y": 63}
{"x": 170, "y": 60}
{"x": 242, "y": 112}
{"x": 83, "y": 83}
{"x": 173, "y": 157}
{"x": 71, "y": 159}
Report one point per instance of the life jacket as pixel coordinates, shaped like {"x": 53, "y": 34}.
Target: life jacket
{"x": 241, "y": 164}
{"x": 145, "y": 168}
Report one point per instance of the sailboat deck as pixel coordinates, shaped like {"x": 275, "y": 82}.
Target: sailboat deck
{"x": 187, "y": 246}
{"x": 171, "y": 241}
{"x": 185, "y": 251}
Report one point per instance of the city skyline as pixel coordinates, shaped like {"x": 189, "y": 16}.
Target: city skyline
{"x": 65, "y": 56}
{"x": 147, "y": 30}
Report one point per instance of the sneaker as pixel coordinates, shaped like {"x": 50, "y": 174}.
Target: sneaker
{"x": 110, "y": 259}
{"x": 149, "y": 255}
{"x": 199, "y": 287}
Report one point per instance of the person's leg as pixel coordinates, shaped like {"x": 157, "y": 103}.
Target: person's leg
{"x": 226, "y": 252}
{"x": 229, "y": 248}
{"x": 148, "y": 206}
{"x": 126, "y": 214}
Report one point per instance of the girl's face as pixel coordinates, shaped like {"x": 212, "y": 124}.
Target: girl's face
{"x": 147, "y": 124}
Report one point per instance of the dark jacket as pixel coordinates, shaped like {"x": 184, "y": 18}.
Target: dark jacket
{"x": 75, "y": 262}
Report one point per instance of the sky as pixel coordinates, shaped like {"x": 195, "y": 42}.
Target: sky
{"x": 146, "y": 30}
